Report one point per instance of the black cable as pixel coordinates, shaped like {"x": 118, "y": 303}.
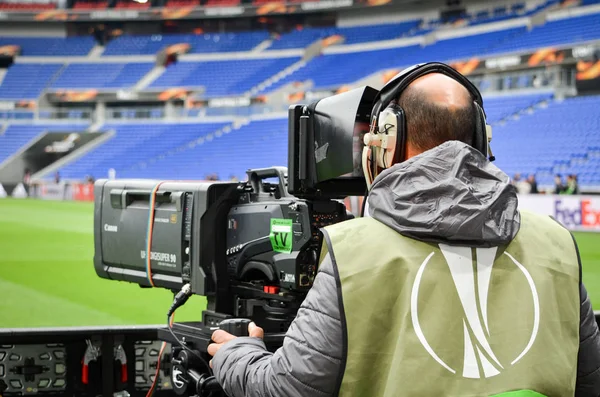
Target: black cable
{"x": 364, "y": 204}
{"x": 187, "y": 348}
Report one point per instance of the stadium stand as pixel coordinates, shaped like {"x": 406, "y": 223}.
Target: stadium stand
{"x": 220, "y": 78}
{"x": 181, "y": 154}
{"x": 27, "y": 81}
{"x": 521, "y": 145}
{"x": 230, "y": 154}
{"x": 303, "y": 37}
{"x": 101, "y": 75}
{"x": 14, "y": 6}
{"x": 17, "y": 135}
{"x": 505, "y": 12}
{"x": 90, "y": 5}
{"x": 560, "y": 138}
{"x": 204, "y": 43}
{"x": 526, "y": 139}
{"x": 136, "y": 143}
{"x": 334, "y": 69}
{"x": 51, "y": 46}
{"x": 499, "y": 109}
{"x": 563, "y": 31}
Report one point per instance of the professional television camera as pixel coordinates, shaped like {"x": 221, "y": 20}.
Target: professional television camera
{"x": 252, "y": 248}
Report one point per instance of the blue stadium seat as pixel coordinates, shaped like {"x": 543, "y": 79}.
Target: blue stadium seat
{"x": 134, "y": 144}
{"x": 335, "y": 69}
{"x": 555, "y": 139}
{"x": 203, "y": 43}
{"x": 51, "y": 46}
{"x": 27, "y": 80}
{"x": 101, "y": 75}
{"x": 301, "y": 38}
{"x": 18, "y": 135}
{"x": 221, "y": 78}
{"x": 563, "y": 31}
{"x": 230, "y": 154}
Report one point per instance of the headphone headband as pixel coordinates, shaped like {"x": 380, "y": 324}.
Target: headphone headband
{"x": 393, "y": 88}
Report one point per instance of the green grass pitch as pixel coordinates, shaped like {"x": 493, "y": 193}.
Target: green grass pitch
{"x": 47, "y": 276}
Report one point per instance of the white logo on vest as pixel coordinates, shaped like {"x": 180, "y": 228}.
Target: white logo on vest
{"x": 469, "y": 283}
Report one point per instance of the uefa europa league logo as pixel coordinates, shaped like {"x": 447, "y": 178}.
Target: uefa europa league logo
{"x": 472, "y": 284}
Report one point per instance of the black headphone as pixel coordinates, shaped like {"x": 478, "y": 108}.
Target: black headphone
{"x": 385, "y": 144}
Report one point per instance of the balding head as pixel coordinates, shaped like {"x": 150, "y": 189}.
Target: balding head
{"x": 438, "y": 109}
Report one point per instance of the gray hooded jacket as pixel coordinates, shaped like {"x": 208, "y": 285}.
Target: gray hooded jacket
{"x": 449, "y": 194}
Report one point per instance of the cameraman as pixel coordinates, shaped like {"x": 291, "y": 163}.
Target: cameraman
{"x": 443, "y": 288}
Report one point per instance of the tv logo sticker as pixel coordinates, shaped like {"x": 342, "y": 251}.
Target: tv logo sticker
{"x": 581, "y": 214}
{"x": 472, "y": 285}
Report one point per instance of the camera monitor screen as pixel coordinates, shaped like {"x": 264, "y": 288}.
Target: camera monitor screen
{"x": 326, "y": 142}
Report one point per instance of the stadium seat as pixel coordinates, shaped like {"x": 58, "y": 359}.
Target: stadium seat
{"x": 101, "y": 75}
{"x": 335, "y": 69}
{"x": 303, "y": 37}
{"x": 562, "y": 31}
{"x": 27, "y": 80}
{"x": 17, "y": 135}
{"x": 556, "y": 139}
{"x": 202, "y": 43}
{"x": 54, "y": 46}
{"x": 134, "y": 144}
{"x": 227, "y": 155}
{"x": 222, "y": 78}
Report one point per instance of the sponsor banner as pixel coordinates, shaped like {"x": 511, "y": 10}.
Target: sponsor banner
{"x": 92, "y": 96}
{"x": 225, "y": 102}
{"x": 52, "y": 191}
{"x": 576, "y": 213}
{"x": 539, "y": 58}
{"x": 245, "y": 10}
{"x": 588, "y": 76}
{"x": 83, "y": 191}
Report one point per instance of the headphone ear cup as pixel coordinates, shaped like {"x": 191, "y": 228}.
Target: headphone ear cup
{"x": 480, "y": 141}
{"x": 392, "y": 128}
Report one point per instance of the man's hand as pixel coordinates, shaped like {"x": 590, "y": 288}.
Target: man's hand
{"x": 221, "y": 337}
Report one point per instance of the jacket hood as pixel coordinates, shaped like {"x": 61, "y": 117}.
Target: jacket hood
{"x": 450, "y": 194}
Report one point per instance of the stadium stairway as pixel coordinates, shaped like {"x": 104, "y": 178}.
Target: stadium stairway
{"x": 277, "y": 77}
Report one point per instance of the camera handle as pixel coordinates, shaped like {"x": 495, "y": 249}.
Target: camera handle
{"x": 256, "y": 176}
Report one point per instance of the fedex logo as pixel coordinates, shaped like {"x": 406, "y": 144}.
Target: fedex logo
{"x": 582, "y": 214}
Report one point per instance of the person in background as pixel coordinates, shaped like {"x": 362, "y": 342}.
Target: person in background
{"x": 558, "y": 184}
{"x": 533, "y": 184}
{"x": 27, "y": 177}
{"x": 516, "y": 179}
{"x": 572, "y": 186}
{"x": 57, "y": 177}
{"x": 523, "y": 187}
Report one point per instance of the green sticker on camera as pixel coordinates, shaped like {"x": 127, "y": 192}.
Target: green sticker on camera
{"x": 281, "y": 235}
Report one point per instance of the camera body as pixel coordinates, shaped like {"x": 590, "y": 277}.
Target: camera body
{"x": 250, "y": 247}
